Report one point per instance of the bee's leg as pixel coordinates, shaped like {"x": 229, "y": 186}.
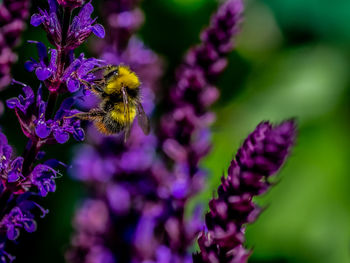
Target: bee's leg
{"x": 99, "y": 68}
{"x": 94, "y": 114}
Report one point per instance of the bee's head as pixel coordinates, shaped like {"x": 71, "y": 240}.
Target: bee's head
{"x": 111, "y": 71}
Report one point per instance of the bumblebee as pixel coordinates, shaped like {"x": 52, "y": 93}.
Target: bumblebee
{"x": 119, "y": 90}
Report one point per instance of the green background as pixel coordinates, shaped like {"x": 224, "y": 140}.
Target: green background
{"x": 292, "y": 60}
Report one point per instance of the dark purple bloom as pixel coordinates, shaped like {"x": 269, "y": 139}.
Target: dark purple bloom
{"x": 77, "y": 74}
{"x": 261, "y": 156}
{"x": 16, "y": 220}
{"x": 13, "y": 14}
{"x": 21, "y": 217}
{"x": 22, "y": 102}
{"x": 82, "y": 26}
{"x": 57, "y": 129}
{"x": 51, "y": 24}
{"x": 43, "y": 177}
{"x": 14, "y": 173}
{"x": 43, "y": 69}
{"x": 5, "y": 153}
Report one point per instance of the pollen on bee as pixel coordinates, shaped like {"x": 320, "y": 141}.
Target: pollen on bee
{"x": 125, "y": 78}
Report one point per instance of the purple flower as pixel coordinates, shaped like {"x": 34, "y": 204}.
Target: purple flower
{"x": 50, "y": 22}
{"x": 16, "y": 220}
{"x": 14, "y": 173}
{"x": 43, "y": 69}
{"x": 261, "y": 155}
{"x": 22, "y": 102}
{"x": 77, "y": 74}
{"x": 60, "y": 127}
{"x": 82, "y": 26}
{"x": 5, "y": 153}
{"x": 43, "y": 177}
{"x": 57, "y": 129}
{"x": 13, "y": 14}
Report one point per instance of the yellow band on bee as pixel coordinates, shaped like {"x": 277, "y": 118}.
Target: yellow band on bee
{"x": 125, "y": 78}
{"x": 118, "y": 113}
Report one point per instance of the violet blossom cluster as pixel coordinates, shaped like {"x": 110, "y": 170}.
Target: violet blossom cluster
{"x": 261, "y": 156}
{"x": 13, "y": 14}
{"x": 26, "y": 178}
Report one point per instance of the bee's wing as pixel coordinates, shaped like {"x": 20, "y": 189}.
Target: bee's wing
{"x": 142, "y": 119}
{"x": 126, "y": 115}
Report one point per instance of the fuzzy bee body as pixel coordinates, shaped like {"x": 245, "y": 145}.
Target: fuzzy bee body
{"x": 119, "y": 89}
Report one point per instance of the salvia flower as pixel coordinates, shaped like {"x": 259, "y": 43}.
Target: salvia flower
{"x": 261, "y": 156}
{"x": 43, "y": 68}
{"x": 50, "y": 130}
{"x": 29, "y": 176}
{"x": 82, "y": 26}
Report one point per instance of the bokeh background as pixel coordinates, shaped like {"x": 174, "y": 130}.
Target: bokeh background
{"x": 292, "y": 60}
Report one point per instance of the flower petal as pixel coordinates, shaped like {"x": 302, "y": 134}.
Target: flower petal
{"x": 61, "y": 136}
{"x": 36, "y": 20}
{"x": 42, "y": 129}
{"x": 73, "y": 85}
{"x": 99, "y": 31}
{"x": 42, "y": 73}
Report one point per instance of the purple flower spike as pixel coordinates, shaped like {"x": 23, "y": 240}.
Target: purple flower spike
{"x": 261, "y": 156}
{"x": 59, "y": 72}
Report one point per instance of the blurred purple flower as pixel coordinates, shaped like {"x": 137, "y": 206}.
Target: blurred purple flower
{"x": 70, "y": 3}
{"x": 13, "y": 14}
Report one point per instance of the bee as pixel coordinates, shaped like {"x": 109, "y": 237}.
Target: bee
{"x": 119, "y": 90}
